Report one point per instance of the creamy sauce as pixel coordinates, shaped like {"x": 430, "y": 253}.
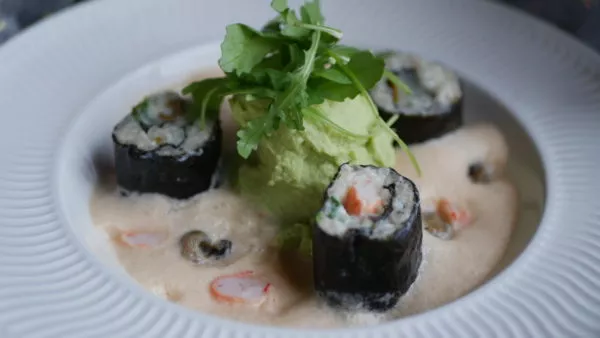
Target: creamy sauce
{"x": 450, "y": 269}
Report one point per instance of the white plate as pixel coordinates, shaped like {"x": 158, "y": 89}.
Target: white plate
{"x": 64, "y": 82}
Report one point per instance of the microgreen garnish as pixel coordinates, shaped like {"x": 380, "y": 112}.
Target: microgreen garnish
{"x": 392, "y": 120}
{"x": 293, "y": 62}
{"x": 140, "y": 109}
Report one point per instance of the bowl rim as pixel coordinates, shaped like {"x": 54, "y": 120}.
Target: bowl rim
{"x": 515, "y": 299}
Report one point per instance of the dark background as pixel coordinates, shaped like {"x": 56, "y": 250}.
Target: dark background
{"x": 580, "y": 18}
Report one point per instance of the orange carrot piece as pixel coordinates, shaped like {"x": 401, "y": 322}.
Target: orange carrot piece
{"x": 352, "y": 202}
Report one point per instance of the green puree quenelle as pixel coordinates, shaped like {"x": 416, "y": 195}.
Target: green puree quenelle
{"x": 293, "y": 167}
{"x": 302, "y": 103}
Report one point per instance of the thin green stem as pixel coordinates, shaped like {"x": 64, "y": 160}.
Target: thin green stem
{"x": 204, "y": 106}
{"x": 396, "y": 81}
{"x": 296, "y": 88}
{"x": 374, "y": 109}
{"x": 392, "y": 120}
{"x": 336, "y": 33}
{"x": 317, "y": 113}
{"x": 311, "y": 55}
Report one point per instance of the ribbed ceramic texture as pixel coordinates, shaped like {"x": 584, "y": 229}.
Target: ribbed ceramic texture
{"x": 51, "y": 287}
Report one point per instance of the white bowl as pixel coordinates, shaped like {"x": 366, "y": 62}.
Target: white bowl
{"x": 68, "y": 80}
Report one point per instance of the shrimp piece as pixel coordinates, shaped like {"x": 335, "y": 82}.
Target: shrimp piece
{"x": 141, "y": 239}
{"x": 451, "y": 214}
{"x": 240, "y": 288}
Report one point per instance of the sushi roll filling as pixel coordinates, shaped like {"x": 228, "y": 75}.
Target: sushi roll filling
{"x": 158, "y": 124}
{"x": 166, "y": 134}
{"x": 159, "y": 108}
{"x": 372, "y": 200}
{"x": 434, "y": 88}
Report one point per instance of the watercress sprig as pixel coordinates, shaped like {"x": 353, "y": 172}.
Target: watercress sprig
{"x": 294, "y": 62}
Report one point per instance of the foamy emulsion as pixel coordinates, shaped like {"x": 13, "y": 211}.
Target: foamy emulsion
{"x": 449, "y": 269}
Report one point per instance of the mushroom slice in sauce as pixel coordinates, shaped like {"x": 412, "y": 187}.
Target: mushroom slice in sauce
{"x": 196, "y": 246}
{"x": 452, "y": 214}
{"x": 436, "y": 227}
{"x": 480, "y": 172}
{"x": 444, "y": 218}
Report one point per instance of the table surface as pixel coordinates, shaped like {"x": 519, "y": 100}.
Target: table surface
{"x": 580, "y": 18}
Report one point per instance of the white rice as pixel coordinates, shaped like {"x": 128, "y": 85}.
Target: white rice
{"x": 369, "y": 181}
{"x": 432, "y": 76}
{"x": 168, "y": 139}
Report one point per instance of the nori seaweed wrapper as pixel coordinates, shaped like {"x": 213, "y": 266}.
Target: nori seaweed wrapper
{"x": 414, "y": 129}
{"x": 181, "y": 176}
{"x": 355, "y": 271}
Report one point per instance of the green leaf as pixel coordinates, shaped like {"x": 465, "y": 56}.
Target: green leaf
{"x": 314, "y": 97}
{"x": 243, "y": 48}
{"x": 310, "y": 20}
{"x": 367, "y": 68}
{"x": 201, "y": 87}
{"x": 278, "y": 79}
{"x": 274, "y": 60}
{"x": 385, "y": 54}
{"x": 270, "y": 78}
{"x": 272, "y": 27}
{"x": 333, "y": 74}
{"x": 344, "y": 51}
{"x": 292, "y": 26}
{"x": 266, "y": 77}
{"x": 207, "y": 96}
{"x": 331, "y": 37}
{"x": 334, "y": 91}
{"x": 293, "y": 116}
{"x": 311, "y": 13}
{"x": 289, "y": 104}
{"x": 322, "y": 61}
{"x": 279, "y": 5}
{"x": 250, "y": 135}
{"x": 296, "y": 57}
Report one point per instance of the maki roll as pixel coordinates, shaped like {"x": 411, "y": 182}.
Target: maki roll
{"x": 159, "y": 150}
{"x": 367, "y": 239}
{"x": 434, "y": 107}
